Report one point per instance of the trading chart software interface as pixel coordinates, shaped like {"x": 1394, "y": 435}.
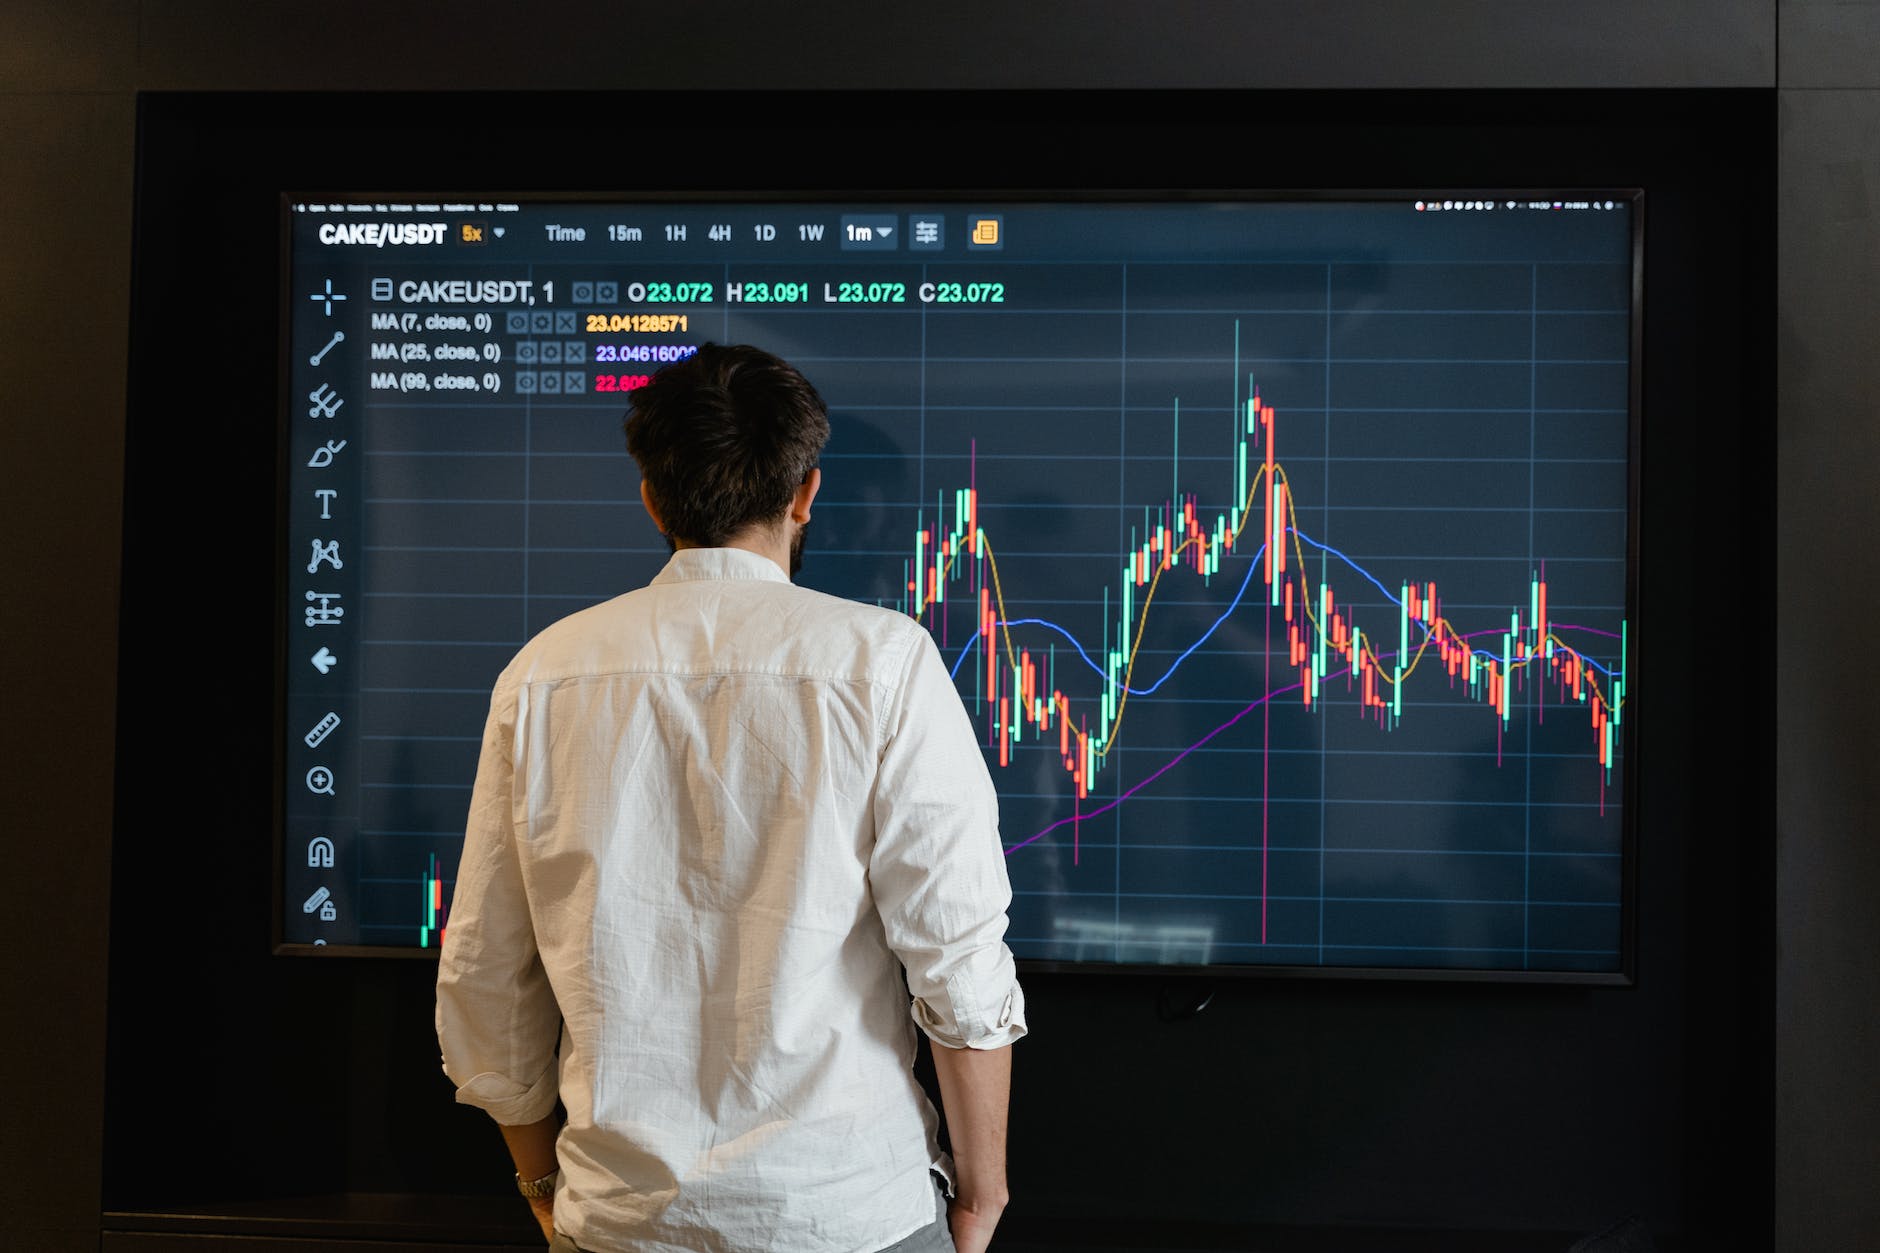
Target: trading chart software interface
{"x": 1279, "y": 548}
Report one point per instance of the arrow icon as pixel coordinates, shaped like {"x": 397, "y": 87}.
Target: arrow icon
{"x": 324, "y": 660}
{"x": 884, "y": 231}
{"x": 498, "y": 230}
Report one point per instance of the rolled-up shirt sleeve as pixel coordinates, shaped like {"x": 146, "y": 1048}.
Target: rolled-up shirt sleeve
{"x": 497, "y": 1020}
{"x": 938, "y": 870}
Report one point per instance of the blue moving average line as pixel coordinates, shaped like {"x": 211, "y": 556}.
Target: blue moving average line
{"x": 1252, "y": 565}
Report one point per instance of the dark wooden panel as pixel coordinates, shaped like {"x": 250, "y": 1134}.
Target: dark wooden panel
{"x": 65, "y": 165}
{"x": 1279, "y": 1241}
{"x": 596, "y": 45}
{"x": 1828, "y": 590}
{"x": 1829, "y": 43}
{"x": 68, "y": 45}
{"x": 179, "y": 1242}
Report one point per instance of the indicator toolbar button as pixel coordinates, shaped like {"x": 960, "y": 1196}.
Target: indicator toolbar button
{"x": 926, "y": 233}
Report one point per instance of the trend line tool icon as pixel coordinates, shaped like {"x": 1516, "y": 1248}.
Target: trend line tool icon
{"x": 339, "y": 337}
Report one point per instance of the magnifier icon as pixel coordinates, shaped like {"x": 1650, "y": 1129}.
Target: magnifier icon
{"x": 320, "y": 779}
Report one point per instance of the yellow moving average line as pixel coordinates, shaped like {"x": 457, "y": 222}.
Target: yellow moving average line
{"x": 1168, "y": 562}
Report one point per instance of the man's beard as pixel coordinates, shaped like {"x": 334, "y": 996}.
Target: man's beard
{"x": 796, "y": 550}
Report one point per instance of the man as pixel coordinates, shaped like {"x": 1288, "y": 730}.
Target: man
{"x": 714, "y": 820}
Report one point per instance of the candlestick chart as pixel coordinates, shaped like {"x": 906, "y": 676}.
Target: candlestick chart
{"x": 1311, "y": 640}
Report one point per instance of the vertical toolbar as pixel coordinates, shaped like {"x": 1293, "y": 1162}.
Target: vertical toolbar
{"x": 323, "y": 612}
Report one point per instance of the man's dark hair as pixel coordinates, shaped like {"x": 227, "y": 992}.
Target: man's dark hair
{"x": 724, "y": 439}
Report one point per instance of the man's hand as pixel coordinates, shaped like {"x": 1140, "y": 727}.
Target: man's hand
{"x": 543, "y": 1207}
{"x": 972, "y": 1225}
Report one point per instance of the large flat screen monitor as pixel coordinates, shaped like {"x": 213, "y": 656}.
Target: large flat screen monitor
{"x": 1281, "y": 547}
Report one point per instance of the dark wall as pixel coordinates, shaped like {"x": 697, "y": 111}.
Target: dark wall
{"x": 65, "y": 164}
{"x": 68, "y": 73}
{"x": 1828, "y": 563}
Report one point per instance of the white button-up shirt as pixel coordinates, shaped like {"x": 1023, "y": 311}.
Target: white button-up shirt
{"x": 713, "y": 821}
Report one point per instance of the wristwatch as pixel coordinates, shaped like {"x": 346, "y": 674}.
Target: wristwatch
{"x": 545, "y": 1186}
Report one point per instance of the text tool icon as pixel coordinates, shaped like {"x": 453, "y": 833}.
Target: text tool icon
{"x": 324, "y": 660}
{"x": 338, "y": 336}
{"x": 988, "y": 232}
{"x": 321, "y": 729}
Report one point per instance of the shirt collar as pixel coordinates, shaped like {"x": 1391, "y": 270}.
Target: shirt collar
{"x": 690, "y": 564}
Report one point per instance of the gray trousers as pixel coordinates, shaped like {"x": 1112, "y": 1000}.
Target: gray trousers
{"x": 935, "y": 1237}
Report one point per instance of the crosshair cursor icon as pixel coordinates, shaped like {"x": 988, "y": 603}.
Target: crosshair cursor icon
{"x": 327, "y": 298}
